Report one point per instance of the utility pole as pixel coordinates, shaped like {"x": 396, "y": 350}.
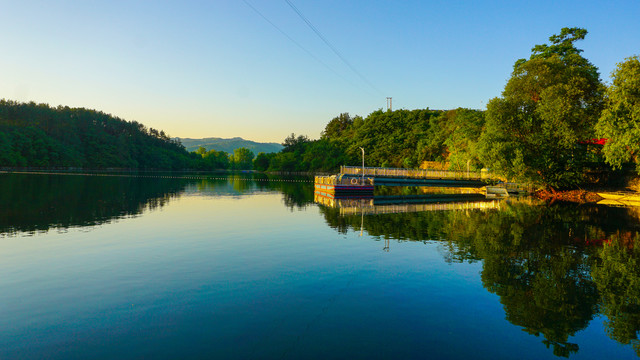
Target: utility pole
{"x": 389, "y": 104}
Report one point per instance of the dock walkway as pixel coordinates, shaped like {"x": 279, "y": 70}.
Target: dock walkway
{"x": 415, "y": 173}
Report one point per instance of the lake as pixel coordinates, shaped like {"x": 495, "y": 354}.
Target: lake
{"x": 241, "y": 266}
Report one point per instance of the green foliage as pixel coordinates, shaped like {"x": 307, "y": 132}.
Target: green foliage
{"x": 401, "y": 138}
{"x": 549, "y": 105}
{"x": 302, "y": 154}
{"x": 37, "y": 135}
{"x": 242, "y": 159}
{"x": 339, "y": 127}
{"x": 284, "y": 161}
{"x": 261, "y": 162}
{"x": 325, "y": 155}
{"x": 455, "y": 136}
{"x": 390, "y": 137}
{"x": 620, "y": 119}
{"x": 290, "y": 158}
{"x": 214, "y": 160}
{"x": 295, "y": 144}
{"x": 561, "y": 45}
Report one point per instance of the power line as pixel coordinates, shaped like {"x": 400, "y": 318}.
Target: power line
{"x": 331, "y": 46}
{"x": 297, "y": 43}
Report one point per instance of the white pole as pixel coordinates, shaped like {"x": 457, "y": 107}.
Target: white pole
{"x": 362, "y": 165}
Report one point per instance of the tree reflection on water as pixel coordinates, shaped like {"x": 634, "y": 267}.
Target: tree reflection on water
{"x": 39, "y": 202}
{"x": 615, "y": 274}
{"x": 35, "y": 202}
{"x": 554, "y": 267}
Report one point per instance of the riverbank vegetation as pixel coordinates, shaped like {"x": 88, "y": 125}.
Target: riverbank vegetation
{"x": 555, "y": 125}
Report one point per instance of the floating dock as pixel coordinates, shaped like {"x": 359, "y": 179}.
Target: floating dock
{"x": 344, "y": 185}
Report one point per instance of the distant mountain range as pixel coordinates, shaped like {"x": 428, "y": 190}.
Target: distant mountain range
{"x": 229, "y": 145}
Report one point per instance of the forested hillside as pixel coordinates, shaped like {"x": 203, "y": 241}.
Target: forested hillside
{"x": 37, "y": 135}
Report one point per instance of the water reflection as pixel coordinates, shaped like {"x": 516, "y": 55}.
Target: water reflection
{"x": 618, "y": 281}
{"x": 393, "y": 204}
{"x": 32, "y": 203}
{"x": 555, "y": 268}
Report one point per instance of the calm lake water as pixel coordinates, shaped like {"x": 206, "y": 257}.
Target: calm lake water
{"x": 243, "y": 267}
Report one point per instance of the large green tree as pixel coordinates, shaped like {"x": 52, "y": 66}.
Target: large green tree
{"x": 620, "y": 120}
{"x": 339, "y": 127}
{"x": 551, "y": 103}
{"x": 452, "y": 138}
{"x": 243, "y": 158}
{"x": 261, "y": 162}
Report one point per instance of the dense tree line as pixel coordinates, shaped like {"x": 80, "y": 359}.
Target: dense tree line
{"x": 542, "y": 130}
{"x": 401, "y": 138}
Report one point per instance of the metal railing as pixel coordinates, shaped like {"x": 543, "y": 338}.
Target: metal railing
{"x": 415, "y": 173}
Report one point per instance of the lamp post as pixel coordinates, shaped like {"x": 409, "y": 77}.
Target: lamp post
{"x": 361, "y": 148}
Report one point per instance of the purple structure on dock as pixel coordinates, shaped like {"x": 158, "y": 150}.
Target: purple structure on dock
{"x": 343, "y": 185}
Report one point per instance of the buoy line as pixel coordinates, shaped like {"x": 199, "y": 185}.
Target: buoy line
{"x": 203, "y": 177}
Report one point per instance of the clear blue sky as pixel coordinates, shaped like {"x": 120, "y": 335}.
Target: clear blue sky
{"x": 218, "y": 69}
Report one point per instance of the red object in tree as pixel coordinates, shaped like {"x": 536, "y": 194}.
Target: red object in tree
{"x": 594, "y": 141}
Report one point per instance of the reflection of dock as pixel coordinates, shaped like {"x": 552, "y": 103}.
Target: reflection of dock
{"x": 405, "y": 204}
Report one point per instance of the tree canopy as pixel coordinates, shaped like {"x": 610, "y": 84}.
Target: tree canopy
{"x": 620, "y": 120}
{"x": 549, "y": 105}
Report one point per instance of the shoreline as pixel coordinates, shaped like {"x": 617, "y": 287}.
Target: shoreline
{"x": 603, "y": 197}
{"x": 577, "y": 196}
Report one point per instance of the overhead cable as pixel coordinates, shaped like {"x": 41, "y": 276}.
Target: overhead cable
{"x": 333, "y": 48}
{"x": 297, "y": 43}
